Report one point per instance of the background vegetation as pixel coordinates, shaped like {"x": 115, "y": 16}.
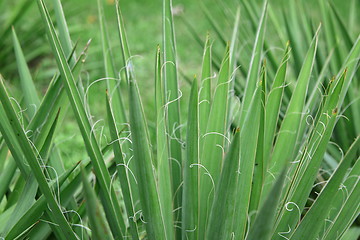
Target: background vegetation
{"x": 268, "y": 135}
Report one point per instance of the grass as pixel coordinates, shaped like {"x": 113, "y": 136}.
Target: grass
{"x": 262, "y": 144}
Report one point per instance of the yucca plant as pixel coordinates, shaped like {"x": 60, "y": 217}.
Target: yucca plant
{"x": 261, "y": 151}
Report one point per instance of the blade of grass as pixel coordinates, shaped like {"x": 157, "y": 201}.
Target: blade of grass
{"x": 309, "y": 165}
{"x": 33, "y": 214}
{"x": 352, "y": 233}
{"x": 205, "y": 90}
{"x": 342, "y": 27}
{"x": 349, "y": 210}
{"x": 98, "y": 224}
{"x": 222, "y": 211}
{"x": 249, "y": 135}
{"x": 212, "y": 153}
{"x": 311, "y": 224}
{"x": 170, "y": 78}
{"x": 113, "y": 87}
{"x": 273, "y": 103}
{"x": 191, "y": 190}
{"x": 54, "y": 99}
{"x": 122, "y": 170}
{"x": 9, "y": 136}
{"x": 148, "y": 192}
{"x": 259, "y": 170}
{"x": 262, "y": 226}
{"x": 254, "y": 68}
{"x": 34, "y": 164}
{"x": 254, "y": 22}
{"x": 163, "y": 160}
{"x": 28, "y": 195}
{"x": 129, "y": 72}
{"x": 64, "y": 34}
{"x": 30, "y": 95}
{"x": 331, "y": 41}
{"x": 108, "y": 196}
{"x": 286, "y": 138}
{"x": 7, "y": 175}
{"x": 351, "y": 63}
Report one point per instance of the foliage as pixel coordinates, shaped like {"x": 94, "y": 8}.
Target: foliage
{"x": 267, "y": 148}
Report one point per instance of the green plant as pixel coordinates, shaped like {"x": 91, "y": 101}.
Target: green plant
{"x": 255, "y": 160}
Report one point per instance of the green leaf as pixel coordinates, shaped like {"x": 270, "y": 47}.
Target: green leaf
{"x": 163, "y": 160}
{"x": 98, "y": 224}
{"x": 148, "y": 192}
{"x": 28, "y": 194}
{"x": 54, "y": 98}
{"x": 113, "y": 87}
{"x": 32, "y": 160}
{"x": 222, "y": 211}
{"x": 352, "y": 233}
{"x": 205, "y": 89}
{"x": 170, "y": 78}
{"x": 33, "y": 214}
{"x": 308, "y": 166}
{"x": 7, "y": 175}
{"x": 273, "y": 103}
{"x": 312, "y": 222}
{"x": 64, "y": 34}
{"x": 347, "y": 214}
{"x": 191, "y": 169}
{"x": 30, "y": 95}
{"x": 255, "y": 62}
{"x": 123, "y": 172}
{"x": 265, "y": 218}
{"x": 249, "y": 135}
{"x": 129, "y": 74}
{"x": 259, "y": 168}
{"x": 345, "y": 209}
{"x": 287, "y": 135}
{"x": 212, "y": 153}
{"x": 108, "y": 197}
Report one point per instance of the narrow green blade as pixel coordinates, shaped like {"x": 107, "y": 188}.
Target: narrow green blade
{"x": 190, "y": 175}
{"x": 32, "y": 160}
{"x": 347, "y": 214}
{"x": 261, "y": 228}
{"x": 171, "y": 88}
{"x": 309, "y": 165}
{"x": 108, "y": 196}
{"x": 30, "y": 95}
{"x": 248, "y": 144}
{"x": 31, "y": 217}
{"x": 148, "y": 192}
{"x": 222, "y": 211}
{"x": 28, "y": 195}
{"x": 212, "y": 152}
{"x": 315, "y": 217}
{"x": 98, "y": 224}
{"x": 163, "y": 161}
{"x": 112, "y": 84}
{"x": 253, "y": 74}
{"x": 259, "y": 167}
{"x": 205, "y": 89}
{"x": 273, "y": 103}
{"x": 123, "y": 172}
{"x": 287, "y": 135}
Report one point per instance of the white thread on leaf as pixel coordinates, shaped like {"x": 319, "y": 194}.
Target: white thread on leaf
{"x": 223, "y": 135}
{"x": 281, "y": 234}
